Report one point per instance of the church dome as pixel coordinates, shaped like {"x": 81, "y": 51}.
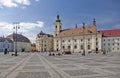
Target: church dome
{"x": 20, "y": 38}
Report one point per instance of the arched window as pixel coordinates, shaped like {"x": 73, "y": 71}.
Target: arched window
{"x": 81, "y": 46}
{"x": 88, "y": 47}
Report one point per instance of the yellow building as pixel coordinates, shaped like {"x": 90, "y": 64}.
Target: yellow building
{"x": 44, "y": 42}
{"x": 78, "y": 39}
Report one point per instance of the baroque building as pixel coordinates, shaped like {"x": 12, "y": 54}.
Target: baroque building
{"x": 111, "y": 40}
{"x": 44, "y": 42}
{"x": 20, "y": 42}
{"x": 78, "y": 39}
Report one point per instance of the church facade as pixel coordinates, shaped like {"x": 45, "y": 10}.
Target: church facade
{"x": 77, "y": 39}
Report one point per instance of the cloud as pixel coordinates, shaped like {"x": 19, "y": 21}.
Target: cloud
{"x": 14, "y": 3}
{"x": 29, "y": 29}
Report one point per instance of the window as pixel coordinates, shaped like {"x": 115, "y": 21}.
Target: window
{"x": 113, "y": 44}
{"x": 96, "y": 38}
{"x": 81, "y": 39}
{"x": 75, "y": 46}
{"x": 104, "y": 44}
{"x": 118, "y": 39}
{"x": 75, "y": 40}
{"x": 88, "y": 47}
{"x": 108, "y": 39}
{"x": 68, "y": 40}
{"x": 88, "y": 39}
{"x": 56, "y": 26}
{"x": 108, "y": 44}
{"x": 113, "y": 39}
{"x": 117, "y": 48}
{"x": 104, "y": 39}
{"x": 118, "y": 44}
{"x": 63, "y": 47}
{"x": 113, "y": 48}
{"x": 81, "y": 46}
{"x": 68, "y": 47}
{"x": 63, "y": 40}
{"x": 96, "y": 43}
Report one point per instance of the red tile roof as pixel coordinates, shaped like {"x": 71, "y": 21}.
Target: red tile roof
{"x": 111, "y": 33}
{"x": 77, "y": 31}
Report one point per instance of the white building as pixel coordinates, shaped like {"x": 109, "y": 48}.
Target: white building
{"x": 6, "y": 43}
{"x": 76, "y": 39}
{"x": 111, "y": 40}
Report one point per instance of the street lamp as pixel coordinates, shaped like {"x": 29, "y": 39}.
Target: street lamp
{"x": 16, "y": 26}
{"x": 83, "y": 54}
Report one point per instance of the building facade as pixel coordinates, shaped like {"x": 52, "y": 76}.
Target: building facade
{"x": 44, "y": 42}
{"x": 111, "y": 40}
{"x": 86, "y": 38}
{"x": 20, "y": 42}
{"x": 6, "y": 44}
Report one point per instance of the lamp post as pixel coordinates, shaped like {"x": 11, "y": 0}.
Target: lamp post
{"x": 16, "y": 26}
{"x": 83, "y": 54}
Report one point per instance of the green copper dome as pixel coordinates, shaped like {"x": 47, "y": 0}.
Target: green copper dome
{"x": 58, "y": 20}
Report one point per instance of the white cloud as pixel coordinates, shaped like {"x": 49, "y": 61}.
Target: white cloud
{"x": 36, "y": 0}
{"x": 14, "y": 3}
{"x": 27, "y": 28}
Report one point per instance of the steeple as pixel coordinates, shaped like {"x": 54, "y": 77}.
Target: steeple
{"x": 57, "y": 26}
{"x": 76, "y": 26}
{"x": 94, "y": 22}
{"x": 58, "y": 19}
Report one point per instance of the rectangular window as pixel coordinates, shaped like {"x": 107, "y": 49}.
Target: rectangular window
{"x": 75, "y": 46}
{"x": 75, "y": 40}
{"x": 88, "y": 39}
{"x": 118, "y": 44}
{"x": 81, "y": 39}
{"x": 104, "y": 39}
{"x": 68, "y": 40}
{"x": 88, "y": 47}
{"x": 104, "y": 44}
{"x": 113, "y": 44}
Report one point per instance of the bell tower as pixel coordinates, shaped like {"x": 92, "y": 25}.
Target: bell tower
{"x": 57, "y": 26}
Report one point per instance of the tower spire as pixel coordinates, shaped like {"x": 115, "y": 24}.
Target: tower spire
{"x": 94, "y": 22}
{"x": 58, "y": 18}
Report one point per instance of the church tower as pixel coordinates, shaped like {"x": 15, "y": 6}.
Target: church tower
{"x": 57, "y": 26}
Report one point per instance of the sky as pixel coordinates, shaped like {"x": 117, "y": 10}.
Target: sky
{"x": 39, "y": 15}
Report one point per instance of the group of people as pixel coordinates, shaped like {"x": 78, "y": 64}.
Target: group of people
{"x": 6, "y": 52}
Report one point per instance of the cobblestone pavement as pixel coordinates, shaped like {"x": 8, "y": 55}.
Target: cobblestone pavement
{"x": 40, "y": 65}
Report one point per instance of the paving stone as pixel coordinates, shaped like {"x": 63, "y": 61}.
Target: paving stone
{"x": 33, "y": 63}
{"x": 4, "y": 68}
{"x": 79, "y": 72}
{"x": 114, "y": 69}
{"x": 95, "y": 64}
{"x": 34, "y": 67}
{"x": 66, "y": 66}
{"x": 33, "y": 75}
{"x": 7, "y": 64}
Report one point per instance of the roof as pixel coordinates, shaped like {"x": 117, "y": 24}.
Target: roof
{"x": 42, "y": 33}
{"x": 77, "y": 31}
{"x": 111, "y": 33}
{"x": 2, "y": 39}
{"x": 20, "y": 38}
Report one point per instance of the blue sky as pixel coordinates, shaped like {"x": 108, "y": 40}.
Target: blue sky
{"x": 37, "y": 15}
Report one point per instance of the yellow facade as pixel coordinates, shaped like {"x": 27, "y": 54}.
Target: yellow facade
{"x": 44, "y": 42}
